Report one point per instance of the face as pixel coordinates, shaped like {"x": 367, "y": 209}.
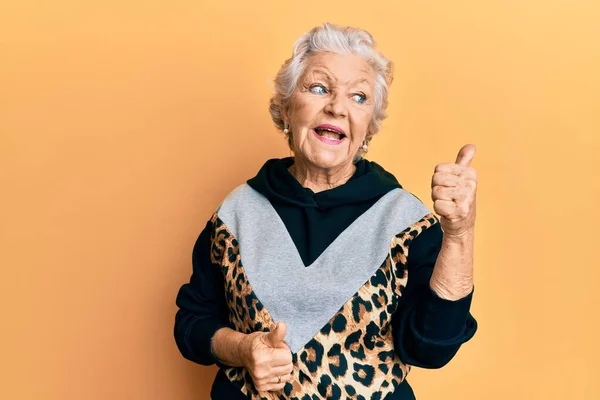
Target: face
{"x": 331, "y": 109}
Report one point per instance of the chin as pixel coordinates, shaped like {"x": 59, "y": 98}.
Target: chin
{"x": 329, "y": 160}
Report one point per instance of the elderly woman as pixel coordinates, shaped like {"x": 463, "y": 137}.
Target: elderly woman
{"x": 321, "y": 277}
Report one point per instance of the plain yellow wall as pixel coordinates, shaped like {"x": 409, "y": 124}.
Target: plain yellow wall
{"x": 124, "y": 123}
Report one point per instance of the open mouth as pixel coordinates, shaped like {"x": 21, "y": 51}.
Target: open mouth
{"x": 329, "y": 133}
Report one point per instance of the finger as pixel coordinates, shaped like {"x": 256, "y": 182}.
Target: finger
{"x": 277, "y": 335}
{"x": 445, "y": 208}
{"x": 281, "y": 379}
{"x": 469, "y": 173}
{"x": 281, "y": 369}
{"x": 277, "y": 387}
{"x": 270, "y": 376}
{"x": 444, "y": 193}
{"x": 444, "y": 179}
{"x": 470, "y": 185}
{"x": 465, "y": 155}
{"x": 281, "y": 358}
{"x": 283, "y": 346}
{"x": 449, "y": 168}
{"x": 269, "y": 388}
{"x": 455, "y": 170}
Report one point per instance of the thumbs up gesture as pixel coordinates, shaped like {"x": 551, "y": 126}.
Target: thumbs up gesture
{"x": 453, "y": 189}
{"x": 267, "y": 358}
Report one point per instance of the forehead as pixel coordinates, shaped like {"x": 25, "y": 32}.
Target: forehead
{"x": 340, "y": 68}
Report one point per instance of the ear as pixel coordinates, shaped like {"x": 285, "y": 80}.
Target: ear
{"x": 284, "y": 116}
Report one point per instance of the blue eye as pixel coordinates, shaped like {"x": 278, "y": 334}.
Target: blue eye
{"x": 359, "y": 98}
{"x": 318, "y": 89}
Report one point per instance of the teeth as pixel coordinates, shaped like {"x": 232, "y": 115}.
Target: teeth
{"x": 329, "y": 134}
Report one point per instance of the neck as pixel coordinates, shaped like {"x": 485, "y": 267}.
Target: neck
{"x": 319, "y": 179}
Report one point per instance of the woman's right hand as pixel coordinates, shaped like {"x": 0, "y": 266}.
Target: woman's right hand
{"x": 267, "y": 358}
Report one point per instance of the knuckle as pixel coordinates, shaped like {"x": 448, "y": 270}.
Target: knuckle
{"x": 442, "y": 167}
{"x": 256, "y": 355}
{"x": 260, "y": 375}
{"x": 256, "y": 363}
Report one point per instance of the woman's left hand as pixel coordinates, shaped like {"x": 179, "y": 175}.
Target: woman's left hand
{"x": 453, "y": 189}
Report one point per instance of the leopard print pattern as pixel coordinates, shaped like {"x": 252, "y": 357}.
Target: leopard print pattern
{"x": 352, "y": 356}
{"x": 246, "y": 312}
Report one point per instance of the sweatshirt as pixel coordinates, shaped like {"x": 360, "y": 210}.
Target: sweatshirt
{"x": 347, "y": 269}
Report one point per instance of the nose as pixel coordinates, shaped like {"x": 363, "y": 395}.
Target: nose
{"x": 337, "y": 106}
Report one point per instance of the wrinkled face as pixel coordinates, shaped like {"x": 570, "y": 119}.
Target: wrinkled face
{"x": 330, "y": 110}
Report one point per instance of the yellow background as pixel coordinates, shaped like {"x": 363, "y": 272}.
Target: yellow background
{"x": 124, "y": 123}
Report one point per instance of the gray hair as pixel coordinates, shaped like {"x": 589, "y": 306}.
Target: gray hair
{"x": 333, "y": 39}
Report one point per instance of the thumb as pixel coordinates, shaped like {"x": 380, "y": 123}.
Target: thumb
{"x": 465, "y": 155}
{"x": 277, "y": 335}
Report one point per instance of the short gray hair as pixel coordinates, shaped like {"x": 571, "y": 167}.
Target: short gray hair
{"x": 333, "y": 39}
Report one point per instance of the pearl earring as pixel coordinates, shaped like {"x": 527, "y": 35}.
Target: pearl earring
{"x": 365, "y": 147}
{"x": 286, "y": 130}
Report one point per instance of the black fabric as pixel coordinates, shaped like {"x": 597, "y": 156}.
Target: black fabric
{"x": 315, "y": 220}
{"x": 429, "y": 330}
{"x": 202, "y": 307}
{"x": 224, "y": 389}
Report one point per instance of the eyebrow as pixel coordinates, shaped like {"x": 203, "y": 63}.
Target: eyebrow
{"x": 363, "y": 80}
{"x": 322, "y": 70}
